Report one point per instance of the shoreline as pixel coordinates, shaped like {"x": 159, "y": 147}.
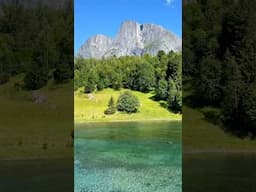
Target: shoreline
{"x": 220, "y": 151}
{"x": 125, "y": 121}
{"x": 34, "y": 159}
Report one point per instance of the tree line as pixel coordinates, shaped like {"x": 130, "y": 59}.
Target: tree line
{"x": 160, "y": 74}
{"x": 37, "y": 42}
{"x": 219, "y": 57}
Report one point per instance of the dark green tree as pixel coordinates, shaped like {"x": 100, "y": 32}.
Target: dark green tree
{"x": 161, "y": 90}
{"x": 174, "y": 100}
{"x": 232, "y": 89}
{"x": 209, "y": 81}
{"x": 111, "y": 107}
{"x": 144, "y": 79}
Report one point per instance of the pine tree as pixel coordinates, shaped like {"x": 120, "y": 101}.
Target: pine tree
{"x": 111, "y": 107}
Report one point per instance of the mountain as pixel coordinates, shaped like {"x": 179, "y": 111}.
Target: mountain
{"x": 132, "y": 39}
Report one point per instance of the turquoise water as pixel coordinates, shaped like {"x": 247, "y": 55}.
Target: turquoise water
{"x": 128, "y": 157}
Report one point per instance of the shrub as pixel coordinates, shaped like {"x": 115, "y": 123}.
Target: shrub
{"x": 4, "y": 78}
{"x": 62, "y": 75}
{"x": 212, "y": 114}
{"x": 35, "y": 79}
{"x": 109, "y": 111}
{"x": 89, "y": 88}
{"x": 128, "y": 103}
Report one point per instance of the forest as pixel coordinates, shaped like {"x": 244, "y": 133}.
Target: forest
{"x": 219, "y": 44}
{"x": 160, "y": 74}
{"x": 37, "y": 42}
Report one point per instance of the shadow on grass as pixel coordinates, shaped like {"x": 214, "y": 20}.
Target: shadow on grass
{"x": 163, "y": 104}
{"x": 213, "y": 113}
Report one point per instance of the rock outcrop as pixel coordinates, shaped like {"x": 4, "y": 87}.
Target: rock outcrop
{"x": 132, "y": 39}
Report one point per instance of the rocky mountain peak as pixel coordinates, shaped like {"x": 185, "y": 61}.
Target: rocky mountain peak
{"x": 133, "y": 38}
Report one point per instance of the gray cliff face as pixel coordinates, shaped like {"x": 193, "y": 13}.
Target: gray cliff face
{"x": 132, "y": 39}
{"x": 96, "y": 47}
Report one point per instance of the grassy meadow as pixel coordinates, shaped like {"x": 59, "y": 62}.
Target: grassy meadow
{"x": 36, "y": 130}
{"x": 200, "y": 135}
{"x": 90, "y": 108}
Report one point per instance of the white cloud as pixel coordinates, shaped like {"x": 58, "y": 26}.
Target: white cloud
{"x": 169, "y": 2}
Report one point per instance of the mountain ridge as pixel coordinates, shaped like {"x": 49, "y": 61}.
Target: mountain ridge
{"x": 132, "y": 38}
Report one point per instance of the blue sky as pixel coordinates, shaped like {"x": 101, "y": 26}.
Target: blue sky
{"x": 105, "y": 16}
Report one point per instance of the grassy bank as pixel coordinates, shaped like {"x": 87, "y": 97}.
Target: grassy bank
{"x": 36, "y": 130}
{"x": 91, "y": 108}
{"x": 201, "y": 136}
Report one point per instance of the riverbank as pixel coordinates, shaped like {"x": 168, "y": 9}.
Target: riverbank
{"x": 125, "y": 121}
{"x": 220, "y": 151}
{"x": 90, "y": 108}
{"x": 201, "y": 136}
{"x": 33, "y": 129}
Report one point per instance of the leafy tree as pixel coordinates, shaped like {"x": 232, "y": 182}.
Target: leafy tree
{"x": 77, "y": 79}
{"x": 174, "y": 100}
{"x": 62, "y": 74}
{"x": 35, "y": 79}
{"x": 117, "y": 81}
{"x": 37, "y": 75}
{"x": 128, "y": 103}
{"x": 249, "y": 109}
{"x": 219, "y": 44}
{"x": 143, "y": 74}
{"x": 232, "y": 89}
{"x": 144, "y": 79}
{"x": 91, "y": 79}
{"x": 36, "y": 40}
{"x": 173, "y": 66}
{"x": 89, "y": 87}
{"x": 209, "y": 81}
{"x": 161, "y": 89}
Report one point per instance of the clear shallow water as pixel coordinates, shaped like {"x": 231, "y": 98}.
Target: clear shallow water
{"x": 219, "y": 172}
{"x": 128, "y": 157}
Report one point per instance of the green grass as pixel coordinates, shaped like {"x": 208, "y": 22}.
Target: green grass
{"x": 30, "y": 130}
{"x": 199, "y": 135}
{"x": 92, "y": 109}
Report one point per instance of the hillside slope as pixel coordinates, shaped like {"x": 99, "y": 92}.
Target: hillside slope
{"x": 92, "y": 108}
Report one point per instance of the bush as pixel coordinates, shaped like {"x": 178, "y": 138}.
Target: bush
{"x": 89, "y": 88}
{"x": 212, "y": 114}
{"x": 62, "y": 75}
{"x": 35, "y": 79}
{"x": 128, "y": 103}
{"x": 110, "y": 111}
{"x": 4, "y": 78}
